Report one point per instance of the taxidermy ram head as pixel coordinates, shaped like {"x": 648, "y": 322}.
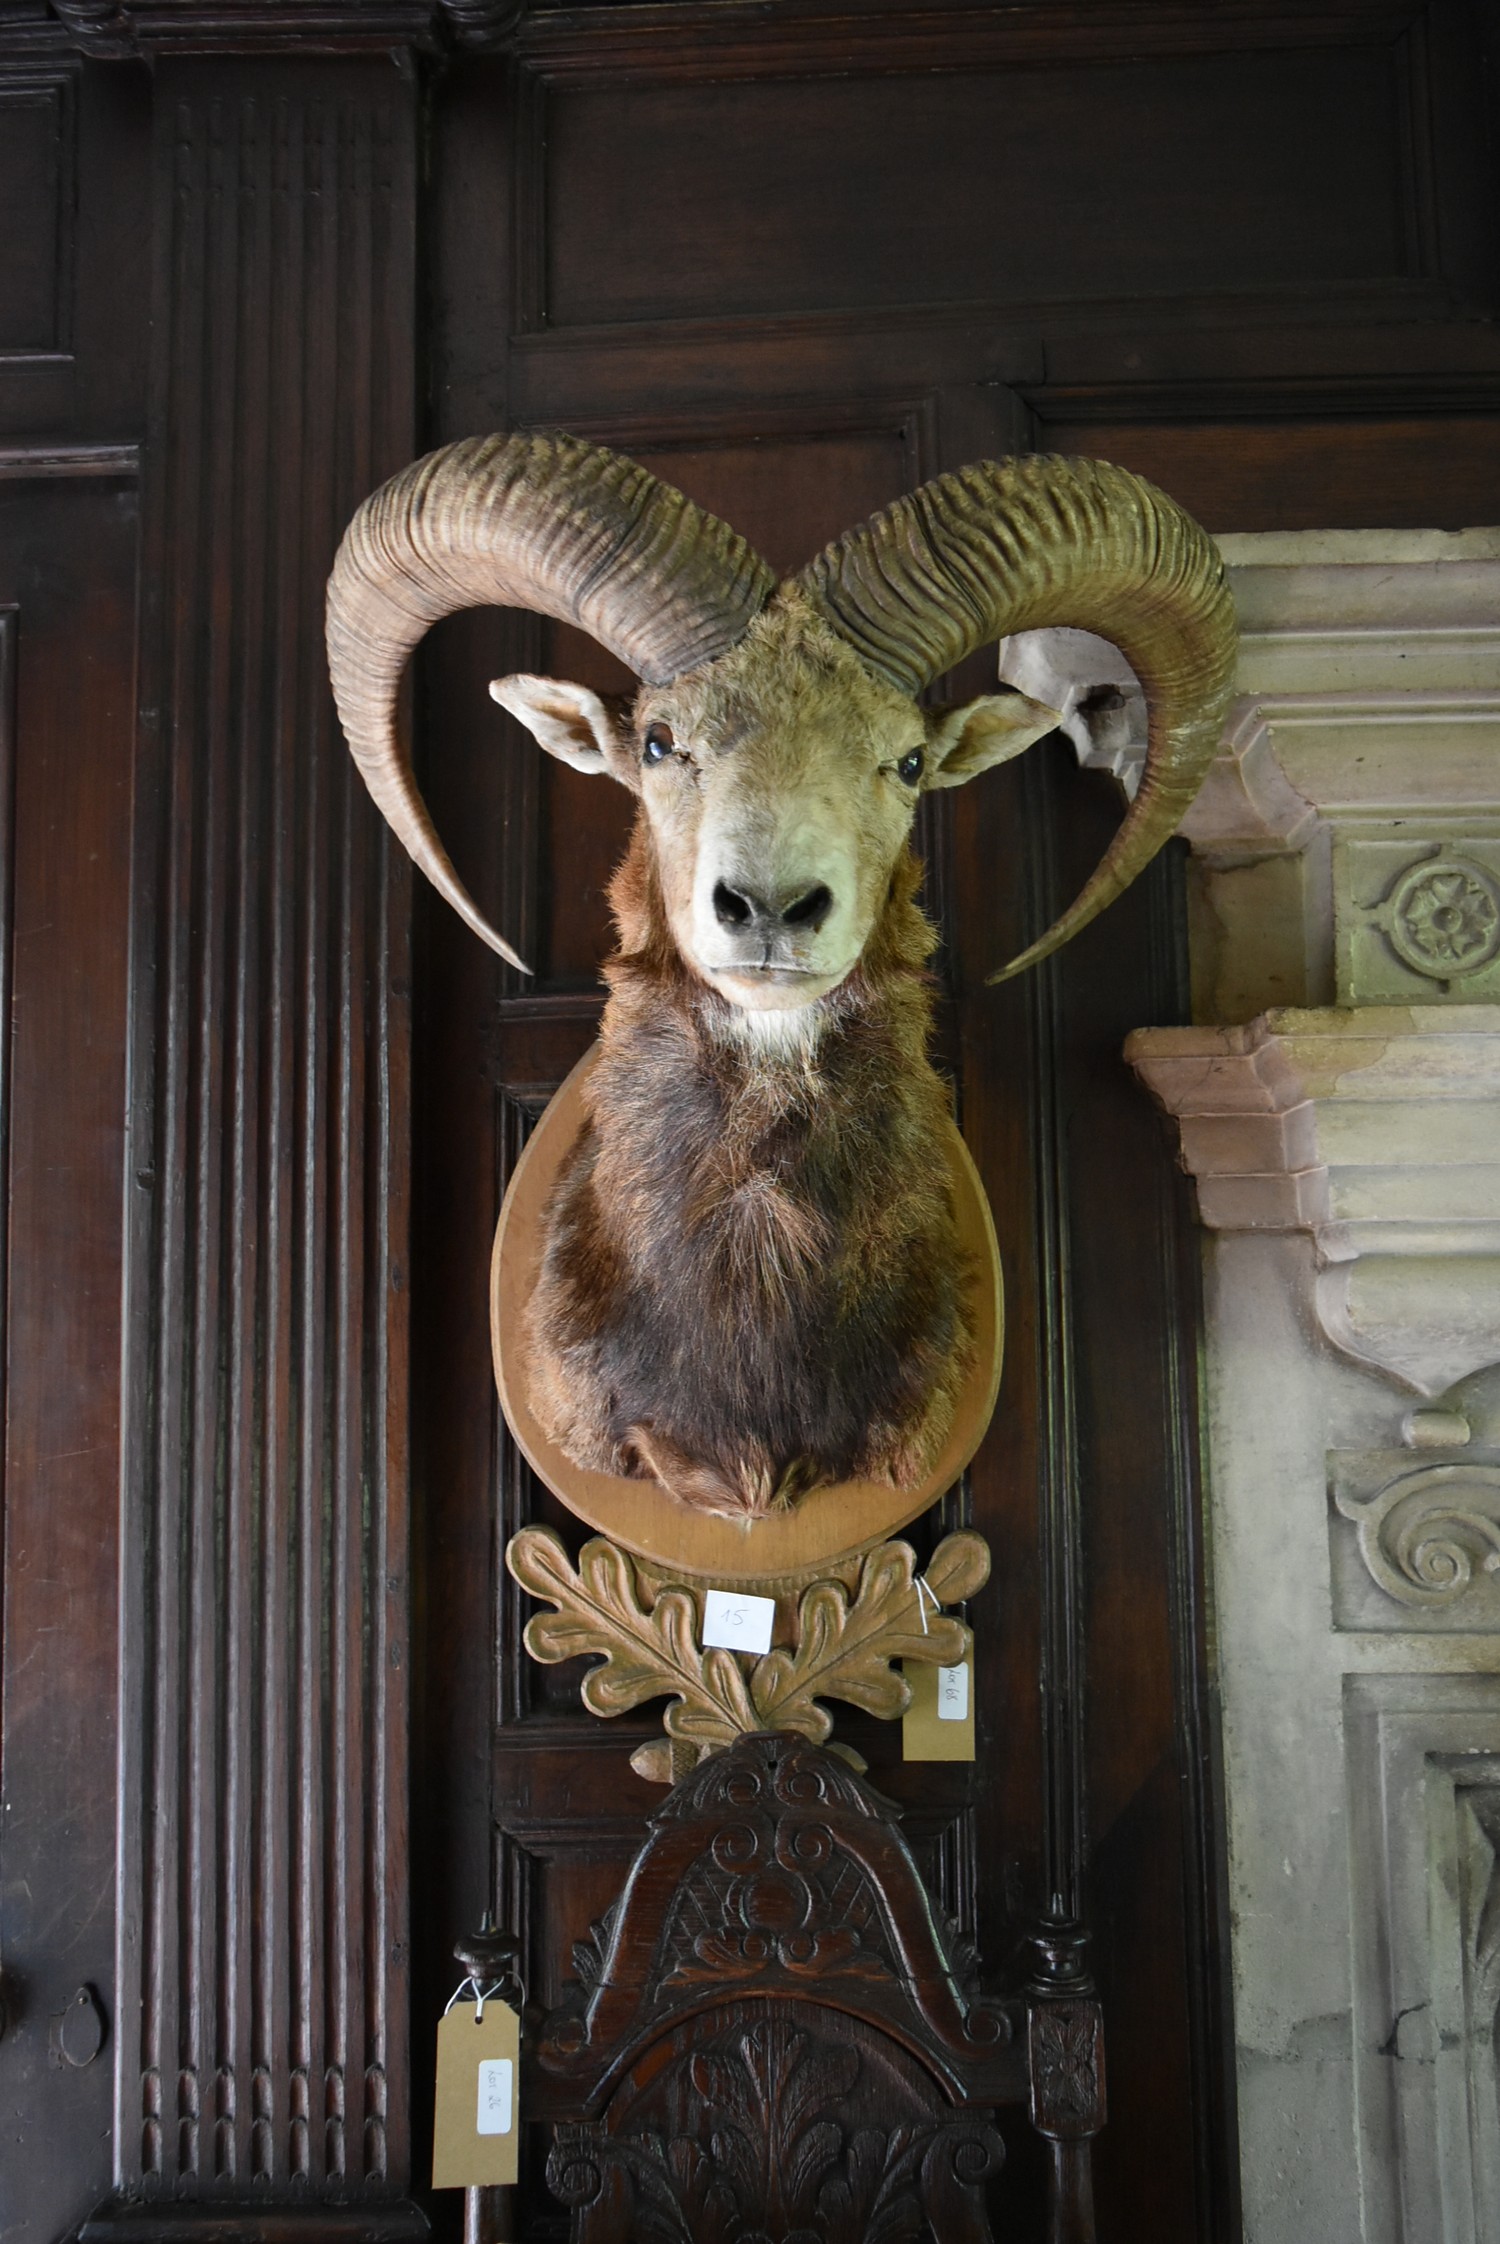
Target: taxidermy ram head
{"x": 751, "y": 1282}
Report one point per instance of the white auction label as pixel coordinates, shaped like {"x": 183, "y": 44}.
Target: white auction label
{"x": 953, "y": 1693}
{"x": 496, "y": 2076}
{"x": 738, "y": 1622}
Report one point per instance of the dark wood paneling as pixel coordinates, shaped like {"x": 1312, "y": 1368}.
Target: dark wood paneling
{"x": 776, "y": 198}
{"x": 752, "y": 415}
{"x": 1441, "y": 473}
{"x": 67, "y": 617}
{"x": 1245, "y": 247}
{"x": 36, "y": 240}
{"x": 74, "y": 248}
{"x": 264, "y": 1606}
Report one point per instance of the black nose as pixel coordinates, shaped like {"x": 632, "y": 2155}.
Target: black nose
{"x": 739, "y": 907}
{"x": 810, "y": 910}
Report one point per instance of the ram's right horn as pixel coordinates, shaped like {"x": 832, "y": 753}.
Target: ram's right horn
{"x": 548, "y": 523}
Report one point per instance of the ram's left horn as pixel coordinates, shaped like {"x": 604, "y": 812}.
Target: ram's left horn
{"x": 1018, "y": 545}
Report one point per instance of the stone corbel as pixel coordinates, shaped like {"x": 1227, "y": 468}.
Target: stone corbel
{"x": 1376, "y": 1133}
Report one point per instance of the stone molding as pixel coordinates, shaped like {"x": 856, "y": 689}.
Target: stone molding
{"x": 1375, "y": 1131}
{"x": 1347, "y": 839}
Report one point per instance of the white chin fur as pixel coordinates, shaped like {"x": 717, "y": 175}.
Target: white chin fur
{"x": 784, "y": 1032}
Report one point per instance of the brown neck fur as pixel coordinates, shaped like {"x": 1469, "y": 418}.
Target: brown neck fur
{"x": 752, "y": 1280}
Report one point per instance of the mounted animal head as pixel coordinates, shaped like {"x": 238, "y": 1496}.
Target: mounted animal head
{"x": 777, "y": 744}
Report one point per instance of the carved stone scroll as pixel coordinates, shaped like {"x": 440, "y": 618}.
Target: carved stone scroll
{"x": 1429, "y": 1537}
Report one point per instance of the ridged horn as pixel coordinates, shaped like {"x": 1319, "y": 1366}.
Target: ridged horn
{"x": 1021, "y": 545}
{"x": 548, "y": 523}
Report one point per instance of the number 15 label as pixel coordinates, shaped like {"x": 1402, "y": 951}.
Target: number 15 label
{"x": 738, "y": 1622}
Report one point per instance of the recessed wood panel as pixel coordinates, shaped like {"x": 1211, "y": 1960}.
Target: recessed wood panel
{"x": 698, "y": 200}
{"x": 1442, "y": 473}
{"x": 34, "y": 165}
{"x": 67, "y": 617}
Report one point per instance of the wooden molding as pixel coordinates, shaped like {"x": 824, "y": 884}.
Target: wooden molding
{"x": 122, "y": 29}
{"x": 132, "y": 2220}
{"x": 810, "y": 38}
{"x": 104, "y": 463}
{"x": 688, "y": 1932}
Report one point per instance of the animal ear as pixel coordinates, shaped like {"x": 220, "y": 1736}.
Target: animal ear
{"x": 571, "y": 723}
{"x": 964, "y": 742}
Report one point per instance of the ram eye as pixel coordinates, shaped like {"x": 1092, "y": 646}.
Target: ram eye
{"x": 911, "y": 767}
{"x": 658, "y": 744}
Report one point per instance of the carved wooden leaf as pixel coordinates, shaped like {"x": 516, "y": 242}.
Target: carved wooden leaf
{"x": 845, "y": 1650}
{"x": 646, "y": 1655}
{"x": 959, "y": 1567}
{"x": 845, "y": 1646}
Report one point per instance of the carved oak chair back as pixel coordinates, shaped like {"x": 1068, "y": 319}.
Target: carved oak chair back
{"x": 773, "y": 2036}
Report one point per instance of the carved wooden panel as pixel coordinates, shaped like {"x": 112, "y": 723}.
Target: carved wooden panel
{"x": 74, "y": 245}
{"x": 781, "y": 2121}
{"x": 262, "y": 2015}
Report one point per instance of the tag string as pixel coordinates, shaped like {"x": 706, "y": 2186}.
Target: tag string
{"x": 925, "y": 1590}
{"x": 482, "y": 1995}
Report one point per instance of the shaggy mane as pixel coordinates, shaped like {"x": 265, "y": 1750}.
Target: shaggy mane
{"x": 751, "y": 1282}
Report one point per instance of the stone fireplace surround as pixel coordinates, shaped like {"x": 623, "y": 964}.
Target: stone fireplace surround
{"x": 1338, "y": 1105}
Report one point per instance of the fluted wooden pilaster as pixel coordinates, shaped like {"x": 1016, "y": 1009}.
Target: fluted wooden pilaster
{"x": 261, "y": 2031}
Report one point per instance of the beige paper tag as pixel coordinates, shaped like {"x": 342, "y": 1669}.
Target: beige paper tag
{"x": 476, "y": 2123}
{"x": 939, "y": 1723}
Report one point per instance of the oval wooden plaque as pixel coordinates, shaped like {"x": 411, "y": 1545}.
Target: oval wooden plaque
{"x": 833, "y": 1522}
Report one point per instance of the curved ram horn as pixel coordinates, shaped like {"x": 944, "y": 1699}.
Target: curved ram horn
{"x": 541, "y": 522}
{"x": 1016, "y": 545}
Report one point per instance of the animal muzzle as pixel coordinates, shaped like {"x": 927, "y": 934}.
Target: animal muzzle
{"x": 776, "y": 922}
{"x": 786, "y": 935}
